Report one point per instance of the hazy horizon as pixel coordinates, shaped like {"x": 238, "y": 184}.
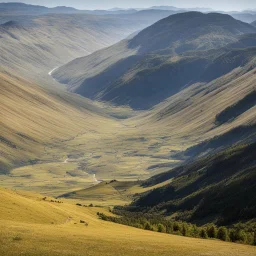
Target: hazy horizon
{"x": 220, "y": 5}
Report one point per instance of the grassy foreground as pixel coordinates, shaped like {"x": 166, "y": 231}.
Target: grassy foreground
{"x": 30, "y": 225}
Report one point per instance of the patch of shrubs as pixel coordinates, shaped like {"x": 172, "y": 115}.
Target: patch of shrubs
{"x": 158, "y": 223}
{"x": 90, "y": 205}
{"x": 17, "y": 238}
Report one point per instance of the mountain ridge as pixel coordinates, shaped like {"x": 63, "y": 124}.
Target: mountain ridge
{"x": 41, "y": 43}
{"x": 107, "y": 75}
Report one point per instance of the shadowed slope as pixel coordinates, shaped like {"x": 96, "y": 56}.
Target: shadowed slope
{"x": 142, "y": 71}
{"x": 218, "y": 188}
{"x": 193, "y": 110}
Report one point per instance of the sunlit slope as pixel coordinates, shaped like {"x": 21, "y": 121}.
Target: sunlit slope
{"x": 111, "y": 193}
{"x": 38, "y": 227}
{"x": 28, "y": 208}
{"x": 33, "y": 118}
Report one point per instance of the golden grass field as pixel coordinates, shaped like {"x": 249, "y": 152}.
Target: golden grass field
{"x": 32, "y": 226}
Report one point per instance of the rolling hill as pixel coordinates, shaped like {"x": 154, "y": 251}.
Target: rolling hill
{"x": 140, "y": 72}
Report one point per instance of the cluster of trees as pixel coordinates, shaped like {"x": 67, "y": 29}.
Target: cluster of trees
{"x": 160, "y": 224}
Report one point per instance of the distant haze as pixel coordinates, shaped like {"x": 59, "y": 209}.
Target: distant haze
{"x": 224, "y": 5}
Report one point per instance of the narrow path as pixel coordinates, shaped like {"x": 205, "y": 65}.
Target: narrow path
{"x": 50, "y": 73}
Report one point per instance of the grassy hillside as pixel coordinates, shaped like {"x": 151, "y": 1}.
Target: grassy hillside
{"x": 56, "y": 230}
{"x": 143, "y": 71}
{"x": 192, "y": 111}
{"x": 236, "y": 136}
{"x": 219, "y": 188}
{"x": 111, "y": 193}
{"x": 33, "y": 118}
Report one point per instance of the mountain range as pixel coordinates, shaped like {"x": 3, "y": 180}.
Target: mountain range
{"x": 21, "y": 9}
{"x": 196, "y": 84}
{"x": 148, "y": 113}
{"x": 142, "y": 71}
{"x": 42, "y": 43}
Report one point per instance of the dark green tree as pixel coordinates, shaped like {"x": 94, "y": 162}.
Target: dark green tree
{"x": 184, "y": 230}
{"x": 147, "y": 226}
{"x": 212, "y": 231}
{"x": 241, "y": 236}
{"x": 161, "y": 228}
{"x": 223, "y": 234}
{"x": 176, "y": 227}
{"x": 203, "y": 233}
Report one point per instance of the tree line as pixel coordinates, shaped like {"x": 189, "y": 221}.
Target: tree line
{"x": 238, "y": 233}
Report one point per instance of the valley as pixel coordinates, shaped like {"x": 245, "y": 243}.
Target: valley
{"x": 119, "y": 124}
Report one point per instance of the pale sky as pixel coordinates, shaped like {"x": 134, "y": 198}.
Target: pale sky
{"x": 224, "y": 5}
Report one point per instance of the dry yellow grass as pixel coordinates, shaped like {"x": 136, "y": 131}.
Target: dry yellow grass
{"x": 31, "y": 226}
{"x": 110, "y": 193}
